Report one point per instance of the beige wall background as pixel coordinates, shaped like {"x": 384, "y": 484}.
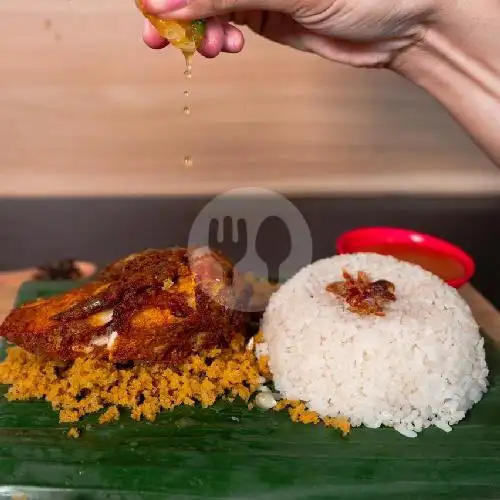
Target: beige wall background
{"x": 87, "y": 109}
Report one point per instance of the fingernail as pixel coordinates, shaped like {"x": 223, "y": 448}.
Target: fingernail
{"x": 161, "y": 6}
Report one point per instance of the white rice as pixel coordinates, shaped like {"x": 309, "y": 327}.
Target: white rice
{"x": 422, "y": 364}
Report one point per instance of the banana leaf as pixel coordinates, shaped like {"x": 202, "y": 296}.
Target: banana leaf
{"x": 230, "y": 452}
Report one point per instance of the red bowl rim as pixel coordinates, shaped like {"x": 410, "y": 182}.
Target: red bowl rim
{"x": 401, "y": 235}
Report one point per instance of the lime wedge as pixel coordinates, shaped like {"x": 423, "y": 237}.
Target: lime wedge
{"x": 185, "y": 35}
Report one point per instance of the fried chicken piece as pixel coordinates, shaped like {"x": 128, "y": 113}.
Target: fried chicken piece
{"x": 156, "y": 306}
{"x": 362, "y": 295}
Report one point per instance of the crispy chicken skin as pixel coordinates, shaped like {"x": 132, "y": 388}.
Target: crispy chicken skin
{"x": 156, "y": 306}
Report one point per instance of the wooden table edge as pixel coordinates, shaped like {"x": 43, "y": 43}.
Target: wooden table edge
{"x": 485, "y": 313}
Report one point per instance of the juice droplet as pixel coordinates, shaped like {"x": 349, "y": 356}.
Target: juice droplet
{"x": 188, "y": 56}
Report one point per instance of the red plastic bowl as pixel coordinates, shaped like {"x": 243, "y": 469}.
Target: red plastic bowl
{"x": 362, "y": 239}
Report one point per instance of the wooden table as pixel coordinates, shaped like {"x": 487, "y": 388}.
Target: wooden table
{"x": 297, "y": 123}
{"x": 7, "y": 296}
{"x": 485, "y": 313}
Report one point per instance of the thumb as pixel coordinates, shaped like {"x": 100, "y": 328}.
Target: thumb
{"x": 202, "y": 9}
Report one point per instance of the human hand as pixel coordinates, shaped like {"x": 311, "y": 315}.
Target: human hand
{"x": 363, "y": 33}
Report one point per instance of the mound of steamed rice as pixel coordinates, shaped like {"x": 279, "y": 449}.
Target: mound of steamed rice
{"x": 421, "y": 364}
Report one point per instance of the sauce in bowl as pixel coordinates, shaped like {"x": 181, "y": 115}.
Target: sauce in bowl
{"x": 438, "y": 256}
{"x": 442, "y": 265}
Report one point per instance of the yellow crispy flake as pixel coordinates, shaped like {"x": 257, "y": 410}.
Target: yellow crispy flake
{"x": 89, "y": 385}
{"x": 338, "y": 423}
{"x": 111, "y": 414}
{"x": 74, "y": 433}
{"x": 67, "y": 416}
{"x": 263, "y": 362}
{"x": 259, "y": 338}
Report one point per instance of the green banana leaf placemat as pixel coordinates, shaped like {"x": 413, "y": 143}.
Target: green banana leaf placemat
{"x": 229, "y": 452}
